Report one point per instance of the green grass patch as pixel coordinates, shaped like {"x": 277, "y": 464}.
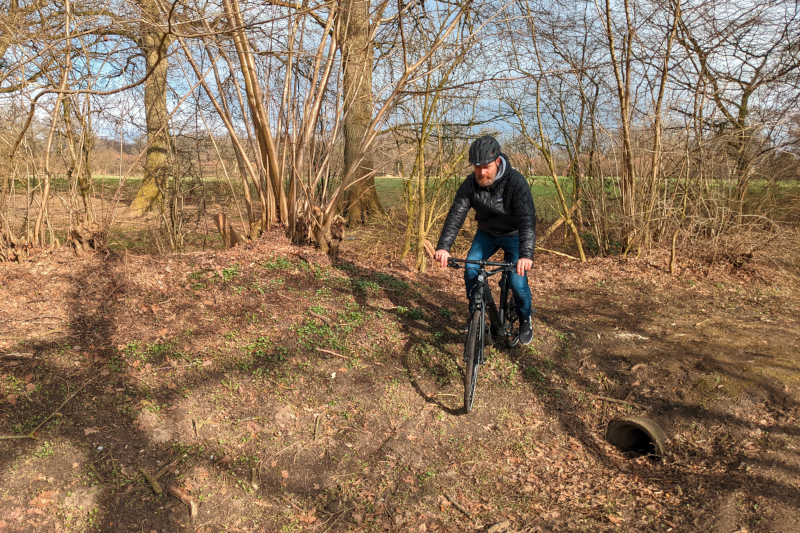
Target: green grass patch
{"x": 414, "y": 313}
{"x": 278, "y": 263}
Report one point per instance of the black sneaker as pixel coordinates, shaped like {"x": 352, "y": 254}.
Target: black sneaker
{"x": 525, "y": 331}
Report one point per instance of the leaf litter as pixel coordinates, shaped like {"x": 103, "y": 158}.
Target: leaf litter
{"x": 223, "y": 354}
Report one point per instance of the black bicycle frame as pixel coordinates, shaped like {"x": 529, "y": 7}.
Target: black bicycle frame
{"x": 482, "y": 294}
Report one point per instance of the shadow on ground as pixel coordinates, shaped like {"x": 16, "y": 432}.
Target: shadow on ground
{"x": 288, "y": 394}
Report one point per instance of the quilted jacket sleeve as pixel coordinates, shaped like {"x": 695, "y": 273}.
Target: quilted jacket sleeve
{"x": 526, "y": 213}
{"x": 456, "y": 216}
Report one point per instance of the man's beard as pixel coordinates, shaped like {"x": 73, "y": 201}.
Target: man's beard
{"x": 486, "y": 182}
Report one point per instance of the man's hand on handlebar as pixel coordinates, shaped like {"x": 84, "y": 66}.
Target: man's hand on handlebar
{"x": 523, "y": 265}
{"x": 442, "y": 256}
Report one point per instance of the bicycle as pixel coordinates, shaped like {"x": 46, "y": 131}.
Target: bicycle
{"x": 502, "y": 319}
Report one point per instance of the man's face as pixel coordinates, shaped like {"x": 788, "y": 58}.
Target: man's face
{"x": 485, "y": 174}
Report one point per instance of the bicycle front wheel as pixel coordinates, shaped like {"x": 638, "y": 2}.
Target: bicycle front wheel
{"x": 472, "y": 356}
{"x": 510, "y": 318}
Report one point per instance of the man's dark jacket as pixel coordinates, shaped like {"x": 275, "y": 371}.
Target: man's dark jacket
{"x": 503, "y": 209}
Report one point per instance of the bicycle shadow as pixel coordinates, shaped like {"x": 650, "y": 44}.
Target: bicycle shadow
{"x": 423, "y": 322}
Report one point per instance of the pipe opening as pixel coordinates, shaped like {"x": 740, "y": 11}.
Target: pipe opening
{"x": 637, "y": 435}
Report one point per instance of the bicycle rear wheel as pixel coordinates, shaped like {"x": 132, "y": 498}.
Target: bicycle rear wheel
{"x": 472, "y": 356}
{"x": 510, "y": 317}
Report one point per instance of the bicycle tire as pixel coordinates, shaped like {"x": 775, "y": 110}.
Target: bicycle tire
{"x": 471, "y": 357}
{"x": 511, "y": 312}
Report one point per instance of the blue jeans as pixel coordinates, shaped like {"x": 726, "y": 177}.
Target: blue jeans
{"x": 483, "y": 247}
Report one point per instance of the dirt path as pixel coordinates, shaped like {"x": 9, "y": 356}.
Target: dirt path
{"x": 283, "y": 393}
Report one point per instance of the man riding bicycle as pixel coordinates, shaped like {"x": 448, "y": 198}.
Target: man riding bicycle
{"x": 506, "y": 219}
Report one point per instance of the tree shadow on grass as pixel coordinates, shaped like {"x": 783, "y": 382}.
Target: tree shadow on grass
{"x": 113, "y": 421}
{"x": 97, "y": 315}
{"x": 76, "y": 388}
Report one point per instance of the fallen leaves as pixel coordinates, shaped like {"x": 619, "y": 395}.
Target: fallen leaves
{"x": 541, "y": 453}
{"x": 306, "y": 518}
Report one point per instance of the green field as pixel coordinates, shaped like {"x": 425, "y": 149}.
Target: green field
{"x": 389, "y": 188}
{"x": 390, "y": 192}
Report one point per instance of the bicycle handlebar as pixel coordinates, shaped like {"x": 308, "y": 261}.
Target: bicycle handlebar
{"x": 454, "y": 263}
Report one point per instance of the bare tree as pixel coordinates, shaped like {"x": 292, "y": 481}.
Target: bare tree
{"x": 357, "y": 58}
{"x": 743, "y": 62}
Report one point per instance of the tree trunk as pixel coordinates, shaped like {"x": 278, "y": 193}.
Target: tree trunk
{"x": 362, "y": 200}
{"x": 154, "y": 45}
